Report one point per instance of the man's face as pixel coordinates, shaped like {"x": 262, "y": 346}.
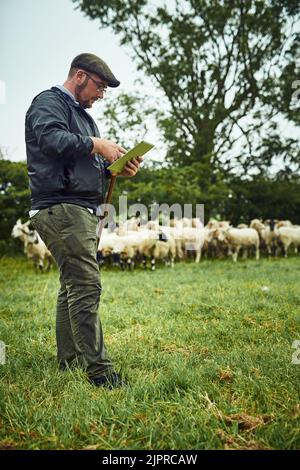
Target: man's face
{"x": 89, "y": 88}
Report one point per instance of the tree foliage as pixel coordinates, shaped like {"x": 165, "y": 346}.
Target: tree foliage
{"x": 14, "y": 199}
{"x": 125, "y": 118}
{"x": 226, "y": 69}
{"x": 234, "y": 198}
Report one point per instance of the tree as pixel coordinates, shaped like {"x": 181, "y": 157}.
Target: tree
{"x": 125, "y": 118}
{"x": 265, "y": 198}
{"x": 226, "y": 69}
{"x": 14, "y": 199}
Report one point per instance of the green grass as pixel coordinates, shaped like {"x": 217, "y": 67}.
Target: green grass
{"x": 207, "y": 353}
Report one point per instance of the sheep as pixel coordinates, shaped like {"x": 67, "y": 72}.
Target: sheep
{"x": 125, "y": 253}
{"x": 284, "y": 223}
{"x": 132, "y": 224}
{"x": 152, "y": 225}
{"x": 213, "y": 247}
{"x": 34, "y": 247}
{"x": 193, "y": 240}
{"x": 184, "y": 222}
{"x": 271, "y": 236}
{"x": 257, "y": 225}
{"x": 217, "y": 238}
{"x": 215, "y": 224}
{"x": 223, "y": 224}
{"x": 238, "y": 238}
{"x": 158, "y": 247}
{"x": 267, "y": 234}
{"x": 21, "y": 231}
{"x": 196, "y": 223}
{"x": 126, "y": 246}
{"x": 37, "y": 251}
{"x": 186, "y": 239}
{"x": 106, "y": 246}
{"x": 175, "y": 234}
{"x": 289, "y": 236}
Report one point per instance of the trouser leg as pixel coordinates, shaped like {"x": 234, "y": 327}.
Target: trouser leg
{"x": 83, "y": 302}
{"x": 66, "y": 350}
{"x": 69, "y": 232}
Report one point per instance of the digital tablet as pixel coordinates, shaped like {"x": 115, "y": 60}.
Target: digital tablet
{"x": 140, "y": 149}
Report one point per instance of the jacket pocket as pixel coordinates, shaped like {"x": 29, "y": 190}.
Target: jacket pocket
{"x": 46, "y": 182}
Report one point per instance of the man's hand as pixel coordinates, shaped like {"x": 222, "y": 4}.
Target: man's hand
{"x": 131, "y": 167}
{"x": 108, "y": 149}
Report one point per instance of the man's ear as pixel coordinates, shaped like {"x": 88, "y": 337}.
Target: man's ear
{"x": 80, "y": 76}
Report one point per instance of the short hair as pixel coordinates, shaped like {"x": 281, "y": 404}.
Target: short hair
{"x": 72, "y": 72}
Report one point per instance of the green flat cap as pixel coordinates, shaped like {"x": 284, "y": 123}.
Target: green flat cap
{"x": 92, "y": 63}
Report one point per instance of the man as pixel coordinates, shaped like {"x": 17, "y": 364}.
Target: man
{"x": 67, "y": 162}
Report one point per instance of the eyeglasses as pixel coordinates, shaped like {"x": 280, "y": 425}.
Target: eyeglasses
{"x": 99, "y": 86}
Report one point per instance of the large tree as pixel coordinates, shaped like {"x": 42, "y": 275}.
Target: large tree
{"x": 227, "y": 70}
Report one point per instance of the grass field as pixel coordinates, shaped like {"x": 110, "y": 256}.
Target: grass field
{"x": 207, "y": 351}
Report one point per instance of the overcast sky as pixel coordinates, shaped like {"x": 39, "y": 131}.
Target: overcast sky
{"x": 38, "y": 40}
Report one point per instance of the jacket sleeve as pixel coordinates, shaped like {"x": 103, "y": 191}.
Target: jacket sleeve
{"x": 107, "y": 172}
{"x": 48, "y": 119}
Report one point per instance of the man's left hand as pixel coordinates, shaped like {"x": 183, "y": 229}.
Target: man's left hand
{"x": 131, "y": 167}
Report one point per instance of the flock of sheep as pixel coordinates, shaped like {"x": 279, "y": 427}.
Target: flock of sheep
{"x": 132, "y": 243}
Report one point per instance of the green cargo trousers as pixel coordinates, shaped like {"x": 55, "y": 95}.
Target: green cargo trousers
{"x": 69, "y": 232}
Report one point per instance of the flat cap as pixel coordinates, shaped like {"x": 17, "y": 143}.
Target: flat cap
{"x": 92, "y": 63}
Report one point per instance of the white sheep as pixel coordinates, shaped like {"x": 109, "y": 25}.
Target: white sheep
{"x": 268, "y": 235}
{"x": 284, "y": 223}
{"x": 289, "y": 236}
{"x": 193, "y": 240}
{"x": 106, "y": 245}
{"x": 34, "y": 247}
{"x": 238, "y": 238}
{"x": 157, "y": 246}
{"x": 127, "y": 246}
{"x": 186, "y": 239}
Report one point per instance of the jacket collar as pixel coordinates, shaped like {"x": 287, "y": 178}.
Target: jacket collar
{"x": 71, "y": 101}
{"x": 67, "y": 96}
{"x": 67, "y": 92}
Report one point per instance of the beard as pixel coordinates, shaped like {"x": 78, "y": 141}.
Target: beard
{"x": 84, "y": 103}
{"x": 89, "y": 103}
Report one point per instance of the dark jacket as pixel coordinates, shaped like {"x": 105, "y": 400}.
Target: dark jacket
{"x": 60, "y": 165}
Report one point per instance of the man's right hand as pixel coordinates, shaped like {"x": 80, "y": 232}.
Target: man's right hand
{"x": 108, "y": 149}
